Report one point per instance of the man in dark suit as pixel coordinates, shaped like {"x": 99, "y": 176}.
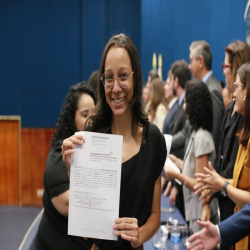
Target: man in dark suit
{"x": 181, "y": 75}
{"x": 201, "y": 68}
{"x": 170, "y": 95}
{"x": 228, "y": 232}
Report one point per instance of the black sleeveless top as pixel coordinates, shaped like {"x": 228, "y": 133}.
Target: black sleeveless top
{"x": 138, "y": 178}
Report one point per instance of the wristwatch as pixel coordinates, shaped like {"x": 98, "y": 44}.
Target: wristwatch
{"x": 224, "y": 189}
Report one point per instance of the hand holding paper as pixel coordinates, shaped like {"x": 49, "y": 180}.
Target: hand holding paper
{"x": 170, "y": 170}
{"x": 68, "y": 148}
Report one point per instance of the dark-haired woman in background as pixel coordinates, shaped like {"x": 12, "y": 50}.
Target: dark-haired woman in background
{"x": 52, "y": 233}
{"x": 200, "y": 150}
{"x": 120, "y": 111}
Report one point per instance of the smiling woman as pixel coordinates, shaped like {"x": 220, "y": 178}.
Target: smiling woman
{"x": 52, "y": 232}
{"x": 120, "y": 111}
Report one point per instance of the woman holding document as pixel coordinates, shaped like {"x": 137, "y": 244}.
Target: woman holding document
{"x": 52, "y": 232}
{"x": 200, "y": 150}
{"x": 120, "y": 111}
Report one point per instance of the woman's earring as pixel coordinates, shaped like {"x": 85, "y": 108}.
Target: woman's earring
{"x": 245, "y": 98}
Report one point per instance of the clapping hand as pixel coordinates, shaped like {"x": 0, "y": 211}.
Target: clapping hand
{"x": 209, "y": 183}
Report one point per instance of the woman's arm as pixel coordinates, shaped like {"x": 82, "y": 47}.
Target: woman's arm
{"x": 238, "y": 196}
{"x": 61, "y": 203}
{"x": 177, "y": 161}
{"x": 128, "y": 229}
{"x": 153, "y": 223}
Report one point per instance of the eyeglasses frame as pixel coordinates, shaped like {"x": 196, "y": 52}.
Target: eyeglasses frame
{"x": 224, "y": 66}
{"x": 117, "y": 81}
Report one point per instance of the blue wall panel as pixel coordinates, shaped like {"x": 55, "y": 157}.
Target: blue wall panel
{"x": 40, "y": 41}
{"x": 169, "y": 27}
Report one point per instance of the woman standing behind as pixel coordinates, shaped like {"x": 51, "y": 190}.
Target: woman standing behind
{"x": 236, "y": 54}
{"x": 200, "y": 150}
{"x": 120, "y": 111}
{"x": 238, "y": 188}
{"x": 158, "y": 104}
{"x": 53, "y": 229}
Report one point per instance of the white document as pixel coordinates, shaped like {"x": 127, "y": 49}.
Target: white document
{"x": 168, "y": 140}
{"x": 169, "y": 163}
{"x": 95, "y": 178}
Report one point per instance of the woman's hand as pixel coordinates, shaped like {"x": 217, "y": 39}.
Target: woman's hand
{"x": 211, "y": 182}
{"x": 68, "y": 148}
{"x": 128, "y": 229}
{"x": 177, "y": 161}
{"x": 205, "y": 214}
{"x": 170, "y": 173}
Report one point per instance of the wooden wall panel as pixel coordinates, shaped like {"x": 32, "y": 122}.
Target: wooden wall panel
{"x": 9, "y": 163}
{"x": 35, "y": 148}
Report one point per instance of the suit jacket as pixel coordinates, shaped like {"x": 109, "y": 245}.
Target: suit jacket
{"x": 179, "y": 140}
{"x": 225, "y": 159}
{"x": 218, "y": 107}
{"x": 235, "y": 227}
{"x": 241, "y": 180}
{"x": 177, "y": 125}
{"x": 170, "y": 118}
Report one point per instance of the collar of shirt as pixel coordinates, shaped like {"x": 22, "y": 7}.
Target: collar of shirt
{"x": 172, "y": 102}
{"x": 204, "y": 79}
{"x": 181, "y": 99}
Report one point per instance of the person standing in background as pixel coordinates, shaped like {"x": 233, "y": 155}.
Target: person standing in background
{"x": 170, "y": 95}
{"x": 53, "y": 229}
{"x": 152, "y": 74}
{"x": 158, "y": 104}
{"x": 200, "y": 66}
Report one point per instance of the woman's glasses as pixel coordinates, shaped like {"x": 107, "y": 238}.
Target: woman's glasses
{"x": 224, "y": 66}
{"x": 123, "y": 80}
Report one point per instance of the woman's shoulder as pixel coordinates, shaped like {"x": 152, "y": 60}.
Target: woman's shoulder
{"x": 153, "y": 130}
{"x": 203, "y": 133}
{"x": 55, "y": 153}
{"x": 161, "y": 106}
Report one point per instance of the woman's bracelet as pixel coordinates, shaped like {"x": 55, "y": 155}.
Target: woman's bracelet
{"x": 185, "y": 182}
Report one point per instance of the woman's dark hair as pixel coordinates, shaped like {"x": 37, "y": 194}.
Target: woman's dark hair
{"x": 101, "y": 119}
{"x": 244, "y": 74}
{"x": 199, "y": 105}
{"x": 65, "y": 126}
